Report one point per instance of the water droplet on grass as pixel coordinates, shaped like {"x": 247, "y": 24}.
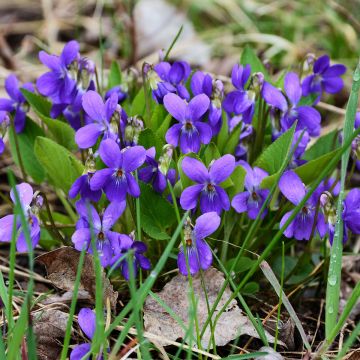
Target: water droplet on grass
{"x": 332, "y": 280}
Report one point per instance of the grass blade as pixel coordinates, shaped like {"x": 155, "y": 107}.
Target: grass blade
{"x": 334, "y": 274}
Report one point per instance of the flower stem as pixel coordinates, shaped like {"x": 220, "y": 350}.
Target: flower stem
{"x": 17, "y": 148}
{"x": 54, "y": 229}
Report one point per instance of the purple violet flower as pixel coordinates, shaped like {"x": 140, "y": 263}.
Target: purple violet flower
{"x": 25, "y": 193}
{"x": 125, "y": 244}
{"x": 308, "y": 118}
{"x": 198, "y": 251}
{"x": 82, "y": 186}
{"x": 172, "y": 79}
{"x": 17, "y": 101}
{"x": 60, "y": 82}
{"x": 300, "y": 228}
{"x": 203, "y": 84}
{"x": 87, "y": 323}
{"x": 119, "y": 91}
{"x": 151, "y": 173}
{"x": 105, "y": 119}
{"x": 116, "y": 180}
{"x": 351, "y": 214}
{"x": 253, "y": 198}
{"x": 300, "y": 149}
{"x": 190, "y": 131}
{"x": 326, "y": 78}
{"x": 100, "y": 226}
{"x": 212, "y": 197}
{"x": 240, "y": 101}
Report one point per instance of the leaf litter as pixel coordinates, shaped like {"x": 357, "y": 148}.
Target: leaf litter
{"x": 231, "y": 324}
{"x": 61, "y": 266}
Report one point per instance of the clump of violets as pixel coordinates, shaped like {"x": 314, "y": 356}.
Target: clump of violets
{"x": 190, "y": 132}
{"x": 289, "y": 107}
{"x": 325, "y": 78}
{"x": 212, "y": 197}
{"x": 25, "y": 194}
{"x": 16, "y": 104}
{"x": 87, "y": 323}
{"x": 117, "y": 179}
{"x": 302, "y": 225}
{"x": 252, "y": 199}
{"x": 195, "y": 249}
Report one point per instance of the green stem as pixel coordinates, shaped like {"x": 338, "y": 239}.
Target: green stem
{"x": 67, "y": 206}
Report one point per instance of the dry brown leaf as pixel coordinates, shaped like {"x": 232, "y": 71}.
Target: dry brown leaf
{"x": 61, "y": 266}
{"x": 231, "y": 324}
{"x": 49, "y": 328}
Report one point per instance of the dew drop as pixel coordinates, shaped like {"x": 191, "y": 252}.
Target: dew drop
{"x": 332, "y": 280}
{"x": 331, "y": 309}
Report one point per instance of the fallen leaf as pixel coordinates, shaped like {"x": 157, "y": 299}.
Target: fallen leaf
{"x": 271, "y": 354}
{"x": 49, "y": 328}
{"x": 61, "y": 266}
{"x": 65, "y": 298}
{"x": 231, "y": 324}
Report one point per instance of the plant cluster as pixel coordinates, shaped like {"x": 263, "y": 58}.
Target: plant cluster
{"x": 178, "y": 151}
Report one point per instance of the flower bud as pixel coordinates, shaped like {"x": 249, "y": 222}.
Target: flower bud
{"x": 90, "y": 164}
{"x": 165, "y": 158}
{"x": 132, "y": 129}
{"x": 257, "y": 82}
{"x": 86, "y": 72}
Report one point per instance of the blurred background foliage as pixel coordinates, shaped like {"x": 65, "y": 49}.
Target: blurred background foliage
{"x": 215, "y": 31}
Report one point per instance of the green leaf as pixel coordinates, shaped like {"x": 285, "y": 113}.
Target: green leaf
{"x": 114, "y": 78}
{"x": 244, "y": 263}
{"x": 163, "y": 128}
{"x": 211, "y": 153}
{"x": 26, "y": 141}
{"x": 37, "y": 102}
{"x": 147, "y": 139}
{"x": 273, "y": 156}
{"x": 157, "y": 117}
{"x": 308, "y": 100}
{"x": 223, "y": 134}
{"x": 233, "y": 140}
{"x": 290, "y": 263}
{"x": 60, "y": 132}
{"x": 248, "y": 56}
{"x": 307, "y": 172}
{"x": 238, "y": 179}
{"x": 251, "y": 288}
{"x": 323, "y": 145}
{"x": 61, "y": 166}
{"x": 155, "y": 219}
{"x": 138, "y": 105}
